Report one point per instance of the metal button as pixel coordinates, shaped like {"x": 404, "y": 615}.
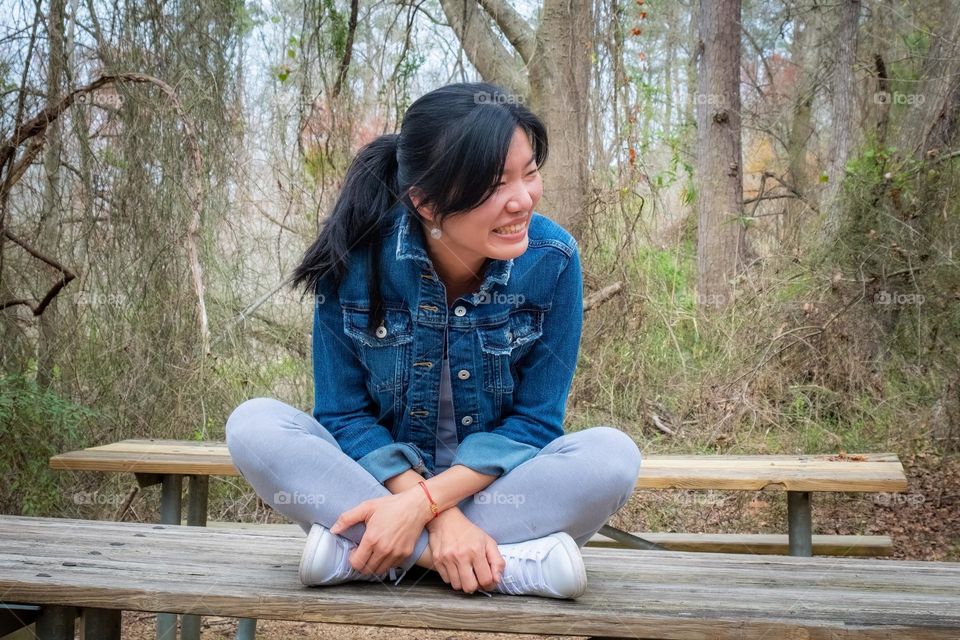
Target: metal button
{"x": 463, "y": 374}
{"x": 460, "y": 311}
{"x": 466, "y": 421}
{"x": 381, "y": 331}
{"x": 509, "y": 336}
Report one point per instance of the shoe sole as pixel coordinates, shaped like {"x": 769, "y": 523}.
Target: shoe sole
{"x": 573, "y": 551}
{"x": 309, "y": 551}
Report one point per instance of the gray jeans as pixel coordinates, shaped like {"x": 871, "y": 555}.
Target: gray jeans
{"x": 574, "y": 484}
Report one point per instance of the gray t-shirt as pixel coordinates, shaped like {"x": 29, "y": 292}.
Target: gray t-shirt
{"x": 447, "y": 442}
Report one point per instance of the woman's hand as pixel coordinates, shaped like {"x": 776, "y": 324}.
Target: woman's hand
{"x": 464, "y": 555}
{"x": 393, "y": 524}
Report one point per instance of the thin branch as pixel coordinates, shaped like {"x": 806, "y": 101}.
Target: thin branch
{"x": 37, "y": 126}
{"x": 483, "y": 48}
{"x": 599, "y": 297}
{"x": 514, "y": 27}
{"x": 66, "y": 276}
{"x": 348, "y": 49}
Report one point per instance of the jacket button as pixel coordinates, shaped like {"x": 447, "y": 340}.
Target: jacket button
{"x": 460, "y": 311}
{"x": 381, "y": 331}
{"x": 463, "y": 374}
{"x": 466, "y": 421}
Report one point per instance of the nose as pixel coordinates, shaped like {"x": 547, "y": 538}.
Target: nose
{"x": 520, "y": 200}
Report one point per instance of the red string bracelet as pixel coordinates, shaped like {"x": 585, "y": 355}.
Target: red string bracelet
{"x": 434, "y": 507}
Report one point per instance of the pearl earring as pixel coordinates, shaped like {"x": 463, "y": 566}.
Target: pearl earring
{"x": 436, "y": 233}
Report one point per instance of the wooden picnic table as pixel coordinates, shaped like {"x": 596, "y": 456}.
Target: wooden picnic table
{"x": 168, "y": 461}
{"x": 98, "y": 569}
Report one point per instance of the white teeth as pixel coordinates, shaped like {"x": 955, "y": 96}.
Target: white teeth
{"x": 514, "y": 228}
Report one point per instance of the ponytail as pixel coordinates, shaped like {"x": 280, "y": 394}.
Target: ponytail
{"x": 369, "y": 191}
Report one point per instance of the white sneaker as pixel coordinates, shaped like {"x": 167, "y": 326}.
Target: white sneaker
{"x": 550, "y": 566}
{"x": 326, "y": 560}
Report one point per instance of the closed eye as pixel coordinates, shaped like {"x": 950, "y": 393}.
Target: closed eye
{"x": 532, "y": 173}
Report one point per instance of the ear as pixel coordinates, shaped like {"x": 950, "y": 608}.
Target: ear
{"x": 416, "y": 197}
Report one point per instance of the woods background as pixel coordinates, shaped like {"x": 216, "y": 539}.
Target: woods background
{"x": 765, "y": 194}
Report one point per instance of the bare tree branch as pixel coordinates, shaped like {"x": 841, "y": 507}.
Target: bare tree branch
{"x": 514, "y": 27}
{"x": 494, "y": 62}
{"x": 599, "y": 297}
{"x": 37, "y": 126}
{"x": 348, "y": 49}
{"x": 67, "y": 276}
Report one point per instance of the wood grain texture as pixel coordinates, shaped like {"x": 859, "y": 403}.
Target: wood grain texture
{"x": 763, "y": 543}
{"x": 645, "y": 594}
{"x": 855, "y": 473}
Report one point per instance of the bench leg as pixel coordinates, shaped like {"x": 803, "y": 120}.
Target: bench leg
{"x": 628, "y": 539}
{"x": 800, "y": 523}
{"x": 100, "y": 624}
{"x": 247, "y": 629}
{"x": 197, "y": 494}
{"x": 171, "y": 489}
{"x": 56, "y": 623}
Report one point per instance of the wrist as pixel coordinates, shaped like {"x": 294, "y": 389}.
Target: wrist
{"x": 431, "y": 506}
{"x": 446, "y": 516}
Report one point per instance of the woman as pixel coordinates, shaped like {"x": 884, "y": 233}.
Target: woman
{"x": 446, "y": 330}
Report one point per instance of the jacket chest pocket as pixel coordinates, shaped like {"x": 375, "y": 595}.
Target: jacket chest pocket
{"x": 384, "y": 350}
{"x": 502, "y": 345}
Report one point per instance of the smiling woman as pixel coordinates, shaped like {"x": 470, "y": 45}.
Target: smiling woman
{"x": 446, "y": 333}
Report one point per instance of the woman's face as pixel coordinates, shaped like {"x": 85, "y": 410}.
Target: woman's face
{"x": 497, "y": 228}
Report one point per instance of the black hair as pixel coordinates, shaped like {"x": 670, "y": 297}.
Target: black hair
{"x": 451, "y": 149}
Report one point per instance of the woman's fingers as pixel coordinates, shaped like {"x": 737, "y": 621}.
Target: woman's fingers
{"x": 483, "y": 571}
{"x": 468, "y": 580}
{"x": 360, "y": 557}
{"x": 350, "y": 517}
{"x": 494, "y": 557}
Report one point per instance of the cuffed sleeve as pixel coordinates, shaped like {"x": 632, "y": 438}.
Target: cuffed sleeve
{"x": 393, "y": 459}
{"x": 492, "y": 453}
{"x": 543, "y": 381}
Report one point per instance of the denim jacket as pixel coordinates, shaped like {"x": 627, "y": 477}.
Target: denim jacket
{"x": 513, "y": 346}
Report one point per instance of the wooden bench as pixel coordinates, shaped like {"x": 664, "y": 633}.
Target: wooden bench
{"x": 765, "y": 544}
{"x": 98, "y": 569}
{"x": 168, "y": 461}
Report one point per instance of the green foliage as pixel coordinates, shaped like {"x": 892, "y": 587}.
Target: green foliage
{"x": 337, "y": 28}
{"x": 35, "y": 424}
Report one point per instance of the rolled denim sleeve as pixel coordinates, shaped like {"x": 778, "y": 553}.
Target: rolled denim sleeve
{"x": 342, "y": 403}
{"x": 544, "y": 378}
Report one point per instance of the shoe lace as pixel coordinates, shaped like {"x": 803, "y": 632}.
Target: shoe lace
{"x": 523, "y": 573}
{"x": 347, "y": 572}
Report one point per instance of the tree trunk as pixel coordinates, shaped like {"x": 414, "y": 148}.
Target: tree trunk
{"x": 933, "y": 125}
{"x": 719, "y": 168}
{"x": 550, "y": 67}
{"x": 51, "y": 214}
{"x": 559, "y": 93}
{"x": 802, "y": 53}
{"x": 844, "y": 107}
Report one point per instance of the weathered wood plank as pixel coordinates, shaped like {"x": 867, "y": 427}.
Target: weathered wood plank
{"x": 632, "y": 593}
{"x": 762, "y": 543}
{"x": 852, "y": 472}
{"x": 767, "y": 544}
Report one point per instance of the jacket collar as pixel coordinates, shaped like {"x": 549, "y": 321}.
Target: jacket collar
{"x": 411, "y": 246}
